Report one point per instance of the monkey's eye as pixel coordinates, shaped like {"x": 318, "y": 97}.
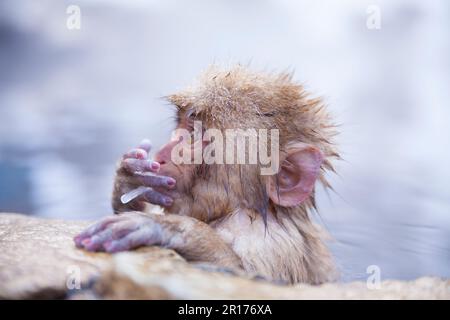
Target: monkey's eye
{"x": 189, "y": 119}
{"x": 268, "y": 114}
{"x": 190, "y": 114}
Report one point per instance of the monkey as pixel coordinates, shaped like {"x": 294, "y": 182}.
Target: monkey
{"x": 229, "y": 214}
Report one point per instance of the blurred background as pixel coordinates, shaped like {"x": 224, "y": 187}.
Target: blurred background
{"x": 72, "y": 101}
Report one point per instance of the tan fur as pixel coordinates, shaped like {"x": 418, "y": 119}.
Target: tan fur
{"x": 291, "y": 247}
{"x": 277, "y": 242}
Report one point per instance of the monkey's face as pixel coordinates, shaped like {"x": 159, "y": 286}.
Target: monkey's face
{"x": 209, "y": 191}
{"x": 239, "y": 100}
{"x": 205, "y": 189}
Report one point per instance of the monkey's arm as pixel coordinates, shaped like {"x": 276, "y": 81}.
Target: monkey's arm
{"x": 193, "y": 239}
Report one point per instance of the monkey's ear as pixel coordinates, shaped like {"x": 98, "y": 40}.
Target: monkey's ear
{"x": 297, "y": 175}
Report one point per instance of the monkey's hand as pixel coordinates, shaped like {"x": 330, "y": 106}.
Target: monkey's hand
{"x": 191, "y": 238}
{"x": 135, "y": 170}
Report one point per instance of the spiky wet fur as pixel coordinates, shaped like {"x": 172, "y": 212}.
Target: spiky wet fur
{"x": 226, "y": 196}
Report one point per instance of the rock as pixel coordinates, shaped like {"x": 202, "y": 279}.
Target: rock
{"x": 138, "y": 277}
{"x": 37, "y": 256}
{"x": 39, "y": 260}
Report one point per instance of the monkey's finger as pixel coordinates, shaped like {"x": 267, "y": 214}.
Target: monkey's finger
{"x": 134, "y": 165}
{"x": 133, "y": 240}
{"x": 145, "y": 144}
{"x": 96, "y": 227}
{"x": 157, "y": 181}
{"x": 137, "y": 153}
{"x": 96, "y": 241}
{"x": 157, "y": 198}
{"x": 113, "y": 231}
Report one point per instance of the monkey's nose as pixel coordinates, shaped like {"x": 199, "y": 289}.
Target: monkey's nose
{"x": 160, "y": 157}
{"x": 164, "y": 154}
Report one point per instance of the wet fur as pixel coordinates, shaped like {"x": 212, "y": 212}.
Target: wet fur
{"x": 231, "y": 200}
{"x": 281, "y": 243}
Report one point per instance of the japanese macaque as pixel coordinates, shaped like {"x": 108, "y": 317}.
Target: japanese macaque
{"x": 229, "y": 214}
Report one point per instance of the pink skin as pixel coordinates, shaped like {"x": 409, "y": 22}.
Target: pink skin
{"x": 297, "y": 176}
{"x": 124, "y": 232}
{"x": 120, "y": 233}
{"x": 136, "y": 162}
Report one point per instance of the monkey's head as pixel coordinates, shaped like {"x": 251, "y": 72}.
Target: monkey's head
{"x": 239, "y": 104}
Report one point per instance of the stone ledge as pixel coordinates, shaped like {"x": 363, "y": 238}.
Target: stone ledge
{"x": 38, "y": 257}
